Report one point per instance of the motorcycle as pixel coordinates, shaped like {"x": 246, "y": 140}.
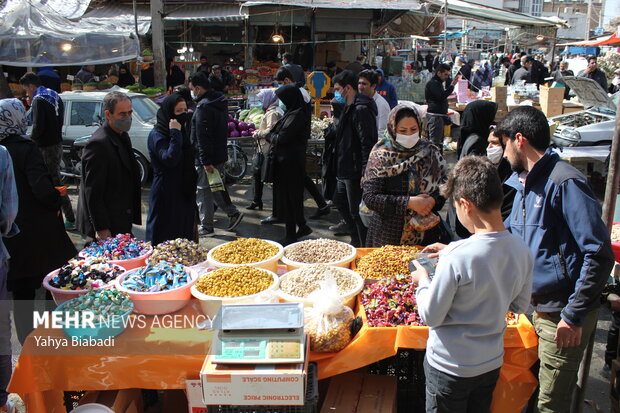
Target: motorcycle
{"x": 71, "y": 163}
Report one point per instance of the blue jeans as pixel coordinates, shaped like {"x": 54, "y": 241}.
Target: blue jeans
{"x": 5, "y": 334}
{"x": 451, "y": 394}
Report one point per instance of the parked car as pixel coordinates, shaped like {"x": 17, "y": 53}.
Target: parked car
{"x": 590, "y": 127}
{"x": 84, "y": 114}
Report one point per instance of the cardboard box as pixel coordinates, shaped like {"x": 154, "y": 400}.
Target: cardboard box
{"x": 253, "y": 384}
{"x": 570, "y": 107}
{"x": 378, "y": 395}
{"x": 121, "y": 401}
{"x": 343, "y": 393}
{"x": 499, "y": 94}
{"x": 361, "y": 393}
{"x": 193, "y": 392}
{"x": 551, "y": 94}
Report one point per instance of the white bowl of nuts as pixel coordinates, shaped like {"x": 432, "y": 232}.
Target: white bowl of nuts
{"x": 259, "y": 253}
{"x": 241, "y": 284}
{"x": 297, "y": 285}
{"x": 319, "y": 251}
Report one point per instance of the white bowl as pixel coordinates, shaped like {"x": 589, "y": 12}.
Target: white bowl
{"x": 343, "y": 263}
{"x": 347, "y": 299}
{"x": 211, "y": 304}
{"x": 270, "y": 264}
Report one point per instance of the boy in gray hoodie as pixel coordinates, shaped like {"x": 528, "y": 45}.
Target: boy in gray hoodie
{"x": 477, "y": 280}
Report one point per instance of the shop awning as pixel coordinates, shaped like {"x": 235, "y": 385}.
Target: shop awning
{"x": 601, "y": 41}
{"x": 70, "y": 9}
{"x": 478, "y": 12}
{"x": 339, "y": 4}
{"x": 121, "y": 16}
{"x": 37, "y": 36}
{"x": 207, "y": 13}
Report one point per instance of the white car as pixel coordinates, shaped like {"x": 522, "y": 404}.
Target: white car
{"x": 590, "y": 127}
{"x": 84, "y": 115}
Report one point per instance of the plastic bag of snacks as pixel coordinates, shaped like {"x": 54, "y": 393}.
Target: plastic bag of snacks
{"x": 328, "y": 322}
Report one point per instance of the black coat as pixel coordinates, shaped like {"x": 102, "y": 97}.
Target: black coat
{"x": 516, "y": 65}
{"x": 210, "y": 129}
{"x": 110, "y": 186}
{"x": 42, "y": 244}
{"x": 355, "y": 138}
{"x": 46, "y": 125}
{"x": 436, "y": 96}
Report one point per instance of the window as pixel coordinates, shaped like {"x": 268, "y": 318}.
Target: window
{"x": 145, "y": 108}
{"x": 86, "y": 113}
{"x": 536, "y": 7}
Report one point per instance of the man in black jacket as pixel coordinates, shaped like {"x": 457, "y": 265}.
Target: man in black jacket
{"x": 47, "y": 115}
{"x": 209, "y": 135}
{"x": 295, "y": 70}
{"x": 437, "y": 99}
{"x": 110, "y": 192}
{"x": 594, "y": 73}
{"x": 516, "y": 65}
{"x": 355, "y": 137}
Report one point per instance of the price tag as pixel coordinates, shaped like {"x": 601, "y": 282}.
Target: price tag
{"x": 70, "y": 77}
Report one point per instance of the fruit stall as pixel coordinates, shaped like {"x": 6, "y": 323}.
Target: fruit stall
{"x": 372, "y": 320}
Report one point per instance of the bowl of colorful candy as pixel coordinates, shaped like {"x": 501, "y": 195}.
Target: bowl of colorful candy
{"x": 99, "y": 314}
{"x": 121, "y": 250}
{"x": 159, "y": 288}
{"x": 79, "y": 276}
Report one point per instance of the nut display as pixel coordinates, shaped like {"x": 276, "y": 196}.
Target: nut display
{"x": 79, "y": 275}
{"x": 244, "y": 251}
{"x": 153, "y": 278}
{"x": 234, "y": 282}
{"x": 386, "y": 261}
{"x": 179, "y": 251}
{"x": 318, "y": 251}
{"x": 302, "y": 282}
{"x": 328, "y": 332}
{"x": 103, "y": 303}
{"x": 120, "y": 247}
{"x": 615, "y": 233}
{"x": 512, "y": 318}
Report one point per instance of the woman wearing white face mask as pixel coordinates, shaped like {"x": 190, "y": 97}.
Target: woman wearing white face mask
{"x": 401, "y": 185}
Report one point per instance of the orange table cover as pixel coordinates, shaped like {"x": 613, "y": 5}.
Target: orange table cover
{"x": 163, "y": 358}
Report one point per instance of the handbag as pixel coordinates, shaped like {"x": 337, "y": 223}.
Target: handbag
{"x": 257, "y": 162}
{"x": 267, "y": 167}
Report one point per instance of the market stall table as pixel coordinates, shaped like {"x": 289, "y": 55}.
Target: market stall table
{"x": 155, "y": 357}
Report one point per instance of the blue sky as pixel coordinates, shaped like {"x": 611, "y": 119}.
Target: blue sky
{"x": 612, "y": 9}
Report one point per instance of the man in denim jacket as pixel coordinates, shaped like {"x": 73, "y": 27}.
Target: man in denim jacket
{"x": 558, "y": 216}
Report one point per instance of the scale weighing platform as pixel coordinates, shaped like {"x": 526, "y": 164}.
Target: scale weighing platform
{"x": 260, "y": 334}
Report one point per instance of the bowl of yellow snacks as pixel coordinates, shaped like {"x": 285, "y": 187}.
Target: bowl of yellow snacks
{"x": 254, "y": 252}
{"x": 242, "y": 284}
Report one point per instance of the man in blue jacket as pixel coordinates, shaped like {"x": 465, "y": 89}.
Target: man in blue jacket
{"x": 386, "y": 89}
{"x": 558, "y": 216}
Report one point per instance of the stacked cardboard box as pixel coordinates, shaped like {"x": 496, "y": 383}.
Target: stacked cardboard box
{"x": 357, "y": 392}
{"x": 499, "y": 95}
{"x": 551, "y": 99}
{"x": 570, "y": 107}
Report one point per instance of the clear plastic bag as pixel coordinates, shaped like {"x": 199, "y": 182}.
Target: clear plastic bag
{"x": 328, "y": 322}
{"x": 423, "y": 223}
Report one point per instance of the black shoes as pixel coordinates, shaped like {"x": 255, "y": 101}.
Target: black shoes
{"x": 304, "y": 231}
{"x": 234, "y": 221}
{"x": 255, "y": 205}
{"x": 271, "y": 220}
{"x": 321, "y": 212}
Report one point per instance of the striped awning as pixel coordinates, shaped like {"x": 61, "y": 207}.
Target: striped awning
{"x": 205, "y": 13}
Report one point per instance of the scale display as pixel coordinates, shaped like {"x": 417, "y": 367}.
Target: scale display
{"x": 267, "y": 333}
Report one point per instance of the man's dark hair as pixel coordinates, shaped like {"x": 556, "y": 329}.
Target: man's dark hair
{"x": 284, "y": 73}
{"x": 30, "y": 79}
{"x": 288, "y": 57}
{"x": 528, "y": 121}
{"x": 344, "y": 78}
{"x": 475, "y": 179}
{"x": 591, "y": 57}
{"x": 111, "y": 99}
{"x": 442, "y": 68}
{"x": 360, "y": 58}
{"x": 370, "y": 75}
{"x": 200, "y": 79}
{"x": 529, "y": 59}
{"x": 331, "y": 63}
{"x": 203, "y": 57}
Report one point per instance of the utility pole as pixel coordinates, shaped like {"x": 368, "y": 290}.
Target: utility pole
{"x": 159, "y": 50}
{"x": 135, "y": 22}
{"x": 589, "y": 20}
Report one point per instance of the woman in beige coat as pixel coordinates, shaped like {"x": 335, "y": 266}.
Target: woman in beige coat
{"x": 273, "y": 113}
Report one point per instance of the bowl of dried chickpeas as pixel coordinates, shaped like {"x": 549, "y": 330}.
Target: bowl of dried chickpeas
{"x": 241, "y": 284}
{"x": 255, "y": 252}
{"x": 319, "y": 251}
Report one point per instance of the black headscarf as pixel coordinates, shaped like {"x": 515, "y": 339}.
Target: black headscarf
{"x": 477, "y": 118}
{"x": 164, "y": 114}
{"x": 125, "y": 79}
{"x": 292, "y": 98}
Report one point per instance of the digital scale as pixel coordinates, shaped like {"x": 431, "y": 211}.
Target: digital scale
{"x": 260, "y": 334}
